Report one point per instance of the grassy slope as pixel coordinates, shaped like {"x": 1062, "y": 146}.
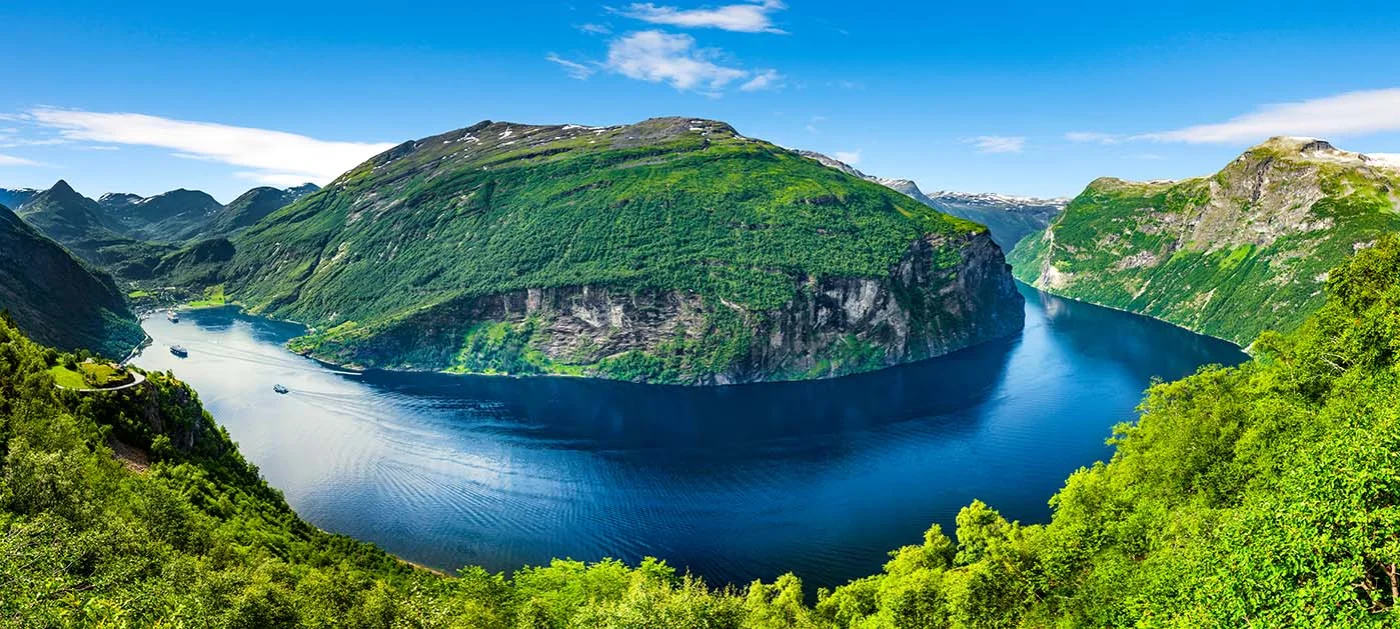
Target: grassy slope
{"x": 1230, "y": 285}
{"x": 58, "y": 299}
{"x": 1263, "y": 495}
{"x": 649, "y": 206}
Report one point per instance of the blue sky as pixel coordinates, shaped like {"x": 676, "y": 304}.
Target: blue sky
{"x": 1035, "y": 98}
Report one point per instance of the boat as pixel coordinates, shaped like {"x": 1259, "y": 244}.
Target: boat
{"x": 179, "y": 350}
{"x": 279, "y": 388}
{"x": 173, "y": 316}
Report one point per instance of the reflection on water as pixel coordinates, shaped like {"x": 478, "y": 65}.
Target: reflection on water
{"x": 735, "y": 483}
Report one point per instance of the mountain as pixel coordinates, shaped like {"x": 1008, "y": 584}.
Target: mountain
{"x": 1009, "y": 218}
{"x": 672, "y": 250}
{"x": 250, "y": 207}
{"x": 66, "y": 216}
{"x": 81, "y": 225}
{"x": 13, "y": 198}
{"x": 113, "y": 203}
{"x": 167, "y": 217}
{"x": 58, "y": 300}
{"x": 1230, "y": 255}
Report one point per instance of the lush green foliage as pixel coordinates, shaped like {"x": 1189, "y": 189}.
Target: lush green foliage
{"x": 57, "y": 299}
{"x": 1230, "y": 255}
{"x": 666, "y": 205}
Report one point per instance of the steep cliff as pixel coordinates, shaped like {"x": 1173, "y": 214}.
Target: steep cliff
{"x": 673, "y": 250}
{"x": 1231, "y": 255}
{"x": 834, "y": 326}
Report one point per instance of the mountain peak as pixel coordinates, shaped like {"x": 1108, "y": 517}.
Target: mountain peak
{"x": 62, "y": 187}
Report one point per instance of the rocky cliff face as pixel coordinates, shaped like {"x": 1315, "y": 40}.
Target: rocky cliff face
{"x": 928, "y": 305}
{"x": 1244, "y": 250}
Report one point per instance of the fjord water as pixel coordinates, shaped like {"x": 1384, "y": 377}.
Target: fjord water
{"x": 734, "y": 483}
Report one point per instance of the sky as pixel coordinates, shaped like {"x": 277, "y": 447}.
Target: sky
{"x": 1033, "y": 98}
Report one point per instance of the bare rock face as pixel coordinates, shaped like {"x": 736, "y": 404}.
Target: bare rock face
{"x": 928, "y": 305}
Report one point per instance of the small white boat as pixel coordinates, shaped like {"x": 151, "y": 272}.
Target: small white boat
{"x": 173, "y": 316}
{"x": 179, "y": 350}
{"x": 279, "y": 388}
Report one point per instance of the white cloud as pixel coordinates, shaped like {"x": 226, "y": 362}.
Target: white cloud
{"x": 274, "y": 156}
{"x": 594, "y": 29}
{"x": 663, "y": 57}
{"x": 1094, "y": 137}
{"x": 281, "y": 180}
{"x": 997, "y": 143}
{"x": 812, "y": 124}
{"x": 851, "y": 158}
{"x": 11, "y": 160}
{"x": 575, "y": 69}
{"x": 750, "y": 17}
{"x": 764, "y": 80}
{"x": 1351, "y": 113}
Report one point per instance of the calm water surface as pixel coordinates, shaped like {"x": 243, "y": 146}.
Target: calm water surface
{"x": 735, "y": 483}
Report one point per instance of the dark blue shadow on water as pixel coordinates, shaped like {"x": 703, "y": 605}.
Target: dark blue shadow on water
{"x": 733, "y": 483}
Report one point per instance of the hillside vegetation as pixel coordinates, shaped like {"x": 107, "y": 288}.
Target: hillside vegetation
{"x": 58, "y": 300}
{"x": 1263, "y": 495}
{"x": 672, "y": 250}
{"x": 1230, "y": 255}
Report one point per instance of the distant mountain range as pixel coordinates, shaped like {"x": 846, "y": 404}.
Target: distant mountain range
{"x": 1230, "y": 254}
{"x": 13, "y": 198}
{"x": 128, "y": 234}
{"x": 1009, "y": 218}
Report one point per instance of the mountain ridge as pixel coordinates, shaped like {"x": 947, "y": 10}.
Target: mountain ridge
{"x": 671, "y": 250}
{"x": 1229, "y": 254}
{"x": 58, "y": 300}
{"x": 1010, "y": 218}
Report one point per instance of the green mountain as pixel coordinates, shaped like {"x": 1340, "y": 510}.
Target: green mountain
{"x": 673, "y": 250}
{"x": 58, "y": 300}
{"x": 169, "y": 217}
{"x": 250, "y": 207}
{"x": 1257, "y": 496}
{"x": 1009, "y": 218}
{"x": 1230, "y": 255}
{"x": 81, "y": 225}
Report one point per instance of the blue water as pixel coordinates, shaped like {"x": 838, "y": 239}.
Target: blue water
{"x": 733, "y": 483}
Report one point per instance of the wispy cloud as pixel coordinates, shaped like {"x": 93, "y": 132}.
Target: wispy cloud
{"x": 669, "y": 58}
{"x": 749, "y": 17}
{"x": 763, "y": 80}
{"x": 997, "y": 143}
{"x": 575, "y": 69}
{"x": 851, "y": 158}
{"x": 1095, "y": 137}
{"x": 594, "y": 29}
{"x": 1350, "y": 113}
{"x": 11, "y": 160}
{"x": 812, "y": 124}
{"x": 274, "y": 157}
